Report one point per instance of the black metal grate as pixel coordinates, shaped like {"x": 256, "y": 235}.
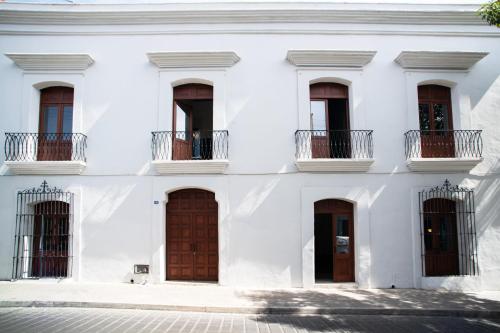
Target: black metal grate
{"x": 43, "y": 234}
{"x": 197, "y": 145}
{"x": 333, "y": 144}
{"x": 448, "y": 231}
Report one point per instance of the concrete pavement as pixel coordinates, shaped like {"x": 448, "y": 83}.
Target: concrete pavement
{"x": 214, "y": 298}
{"x": 68, "y": 320}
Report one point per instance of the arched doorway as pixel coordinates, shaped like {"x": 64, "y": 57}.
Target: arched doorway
{"x": 440, "y": 237}
{"x": 329, "y": 116}
{"x": 192, "y": 236}
{"x": 333, "y": 241}
{"x": 193, "y": 122}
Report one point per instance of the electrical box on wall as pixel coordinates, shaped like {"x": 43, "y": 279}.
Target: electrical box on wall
{"x": 141, "y": 269}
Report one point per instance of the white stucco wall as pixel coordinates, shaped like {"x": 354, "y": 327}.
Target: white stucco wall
{"x": 265, "y": 221}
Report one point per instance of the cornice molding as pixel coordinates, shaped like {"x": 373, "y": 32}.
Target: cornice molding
{"x": 39, "y": 61}
{"x": 78, "y": 16}
{"x": 439, "y": 60}
{"x": 193, "y": 59}
{"x": 330, "y": 58}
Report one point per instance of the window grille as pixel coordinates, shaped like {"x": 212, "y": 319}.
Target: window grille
{"x": 43, "y": 234}
{"x": 448, "y": 231}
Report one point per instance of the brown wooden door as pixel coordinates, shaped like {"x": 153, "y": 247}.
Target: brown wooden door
{"x": 182, "y": 133}
{"x": 50, "y": 240}
{"x": 55, "y": 124}
{"x": 440, "y": 238}
{"x": 192, "y": 236}
{"x": 341, "y": 218}
{"x": 436, "y": 125}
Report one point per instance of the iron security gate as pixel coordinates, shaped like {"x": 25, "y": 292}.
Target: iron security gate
{"x": 43, "y": 234}
{"x": 448, "y": 231}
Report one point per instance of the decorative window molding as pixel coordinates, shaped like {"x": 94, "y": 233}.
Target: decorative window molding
{"x": 330, "y": 58}
{"x": 52, "y": 62}
{"x": 439, "y": 60}
{"x": 193, "y": 59}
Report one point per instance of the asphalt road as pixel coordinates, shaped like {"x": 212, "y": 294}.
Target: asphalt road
{"x": 54, "y": 320}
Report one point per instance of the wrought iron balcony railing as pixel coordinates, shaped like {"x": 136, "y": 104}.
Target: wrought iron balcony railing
{"x": 334, "y": 144}
{"x": 196, "y": 145}
{"x": 24, "y": 147}
{"x": 446, "y": 143}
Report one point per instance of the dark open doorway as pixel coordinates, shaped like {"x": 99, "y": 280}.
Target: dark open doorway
{"x": 193, "y": 122}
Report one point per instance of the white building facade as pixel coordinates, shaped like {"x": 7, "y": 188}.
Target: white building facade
{"x": 283, "y": 144}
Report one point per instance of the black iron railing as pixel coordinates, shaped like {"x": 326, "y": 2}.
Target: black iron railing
{"x": 45, "y": 147}
{"x": 447, "y": 143}
{"x": 196, "y": 145}
{"x": 334, "y": 144}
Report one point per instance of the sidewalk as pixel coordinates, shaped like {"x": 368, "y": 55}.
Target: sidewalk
{"x": 213, "y": 298}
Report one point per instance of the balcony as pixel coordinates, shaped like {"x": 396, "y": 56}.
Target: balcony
{"x": 334, "y": 150}
{"x": 179, "y": 152}
{"x": 45, "y": 153}
{"x": 443, "y": 151}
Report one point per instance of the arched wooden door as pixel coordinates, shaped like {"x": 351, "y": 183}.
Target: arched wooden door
{"x": 50, "y": 241}
{"x": 183, "y": 114}
{"x": 334, "y": 241}
{"x": 330, "y": 137}
{"x": 192, "y": 236}
{"x": 55, "y": 124}
{"x": 436, "y": 121}
{"x": 440, "y": 237}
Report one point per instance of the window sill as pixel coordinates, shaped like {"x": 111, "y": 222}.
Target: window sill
{"x": 46, "y": 167}
{"x": 190, "y": 166}
{"x": 335, "y": 165}
{"x": 442, "y": 164}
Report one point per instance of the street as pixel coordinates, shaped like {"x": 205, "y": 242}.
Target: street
{"x": 124, "y": 320}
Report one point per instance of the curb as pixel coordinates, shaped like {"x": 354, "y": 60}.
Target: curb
{"x": 469, "y": 313}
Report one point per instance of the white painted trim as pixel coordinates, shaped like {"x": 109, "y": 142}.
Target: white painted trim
{"x": 190, "y": 167}
{"x": 137, "y": 31}
{"x": 352, "y": 77}
{"x": 33, "y": 82}
{"x": 335, "y": 165}
{"x": 46, "y": 167}
{"x": 362, "y": 248}
{"x": 193, "y": 59}
{"x": 439, "y": 60}
{"x": 330, "y": 58}
{"x": 442, "y": 164}
{"x": 46, "y": 61}
{"x": 286, "y": 13}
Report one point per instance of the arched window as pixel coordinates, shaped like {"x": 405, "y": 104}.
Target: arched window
{"x": 43, "y": 233}
{"x": 330, "y": 137}
{"x": 448, "y": 230}
{"x": 56, "y": 124}
{"x": 436, "y": 121}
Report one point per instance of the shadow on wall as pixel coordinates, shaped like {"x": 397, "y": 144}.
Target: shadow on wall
{"x": 358, "y": 299}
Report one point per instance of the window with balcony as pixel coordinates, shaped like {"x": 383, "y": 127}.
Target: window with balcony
{"x": 192, "y": 137}
{"x": 436, "y": 145}
{"x": 55, "y": 141}
{"x": 330, "y": 136}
